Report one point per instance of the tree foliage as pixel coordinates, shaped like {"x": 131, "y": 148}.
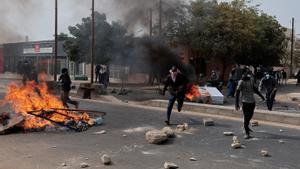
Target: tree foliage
{"x": 231, "y": 31}
{"x": 108, "y": 38}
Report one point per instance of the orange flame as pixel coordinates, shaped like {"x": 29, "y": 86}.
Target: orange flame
{"x": 192, "y": 92}
{"x": 33, "y": 96}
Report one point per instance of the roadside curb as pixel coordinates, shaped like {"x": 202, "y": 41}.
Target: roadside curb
{"x": 261, "y": 115}
{"x": 143, "y": 105}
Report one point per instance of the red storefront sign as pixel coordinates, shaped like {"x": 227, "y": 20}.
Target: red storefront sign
{"x": 37, "y": 48}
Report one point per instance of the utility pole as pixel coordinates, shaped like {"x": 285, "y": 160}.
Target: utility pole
{"x": 292, "y": 49}
{"x": 150, "y": 22}
{"x": 160, "y": 18}
{"x": 55, "y": 45}
{"x": 93, "y": 42}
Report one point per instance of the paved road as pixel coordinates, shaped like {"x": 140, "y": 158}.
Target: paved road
{"x": 48, "y": 150}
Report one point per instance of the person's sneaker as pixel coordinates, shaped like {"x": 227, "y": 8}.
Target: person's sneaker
{"x": 247, "y": 136}
{"x": 167, "y": 122}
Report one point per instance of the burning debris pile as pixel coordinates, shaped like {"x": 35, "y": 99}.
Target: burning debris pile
{"x": 35, "y": 108}
{"x": 197, "y": 94}
{"x": 204, "y": 94}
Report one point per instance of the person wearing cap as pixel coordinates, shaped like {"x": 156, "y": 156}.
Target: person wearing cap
{"x": 247, "y": 88}
{"x": 176, "y": 84}
{"x": 65, "y": 83}
{"x": 270, "y": 84}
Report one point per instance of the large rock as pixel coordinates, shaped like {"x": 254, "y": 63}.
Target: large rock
{"x": 264, "y": 153}
{"x": 208, "y": 122}
{"x": 168, "y": 131}
{"x": 156, "y": 137}
{"x": 168, "y": 165}
{"x": 84, "y": 165}
{"x": 106, "y": 159}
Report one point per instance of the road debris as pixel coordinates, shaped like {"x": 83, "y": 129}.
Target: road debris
{"x": 168, "y": 165}
{"x": 281, "y": 141}
{"x": 254, "y": 123}
{"x": 156, "y": 137}
{"x": 84, "y": 165}
{"x": 228, "y": 133}
{"x": 265, "y": 153}
{"x": 180, "y": 128}
{"x": 193, "y": 159}
{"x": 168, "y": 131}
{"x": 281, "y": 131}
{"x": 64, "y": 164}
{"x": 106, "y": 159}
{"x": 100, "y": 132}
{"x": 208, "y": 122}
{"x": 236, "y": 143}
{"x": 186, "y": 126}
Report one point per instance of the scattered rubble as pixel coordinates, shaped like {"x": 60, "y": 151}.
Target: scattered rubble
{"x": 139, "y": 129}
{"x": 254, "y": 123}
{"x": 156, "y": 137}
{"x": 281, "y": 131}
{"x": 84, "y": 165}
{"x": 106, "y": 159}
{"x": 186, "y": 126}
{"x": 208, "y": 122}
{"x": 281, "y": 141}
{"x": 180, "y": 128}
{"x": 168, "y": 131}
{"x": 228, "y": 133}
{"x": 124, "y": 135}
{"x": 100, "y": 132}
{"x": 265, "y": 153}
{"x": 236, "y": 143}
{"x": 169, "y": 165}
{"x": 64, "y": 164}
{"x": 193, "y": 159}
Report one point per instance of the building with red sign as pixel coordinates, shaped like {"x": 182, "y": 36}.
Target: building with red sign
{"x": 38, "y": 53}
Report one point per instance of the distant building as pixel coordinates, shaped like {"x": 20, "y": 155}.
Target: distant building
{"x": 39, "y": 53}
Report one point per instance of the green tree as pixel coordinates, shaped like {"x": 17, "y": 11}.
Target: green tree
{"x": 230, "y": 31}
{"x": 107, "y": 39}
